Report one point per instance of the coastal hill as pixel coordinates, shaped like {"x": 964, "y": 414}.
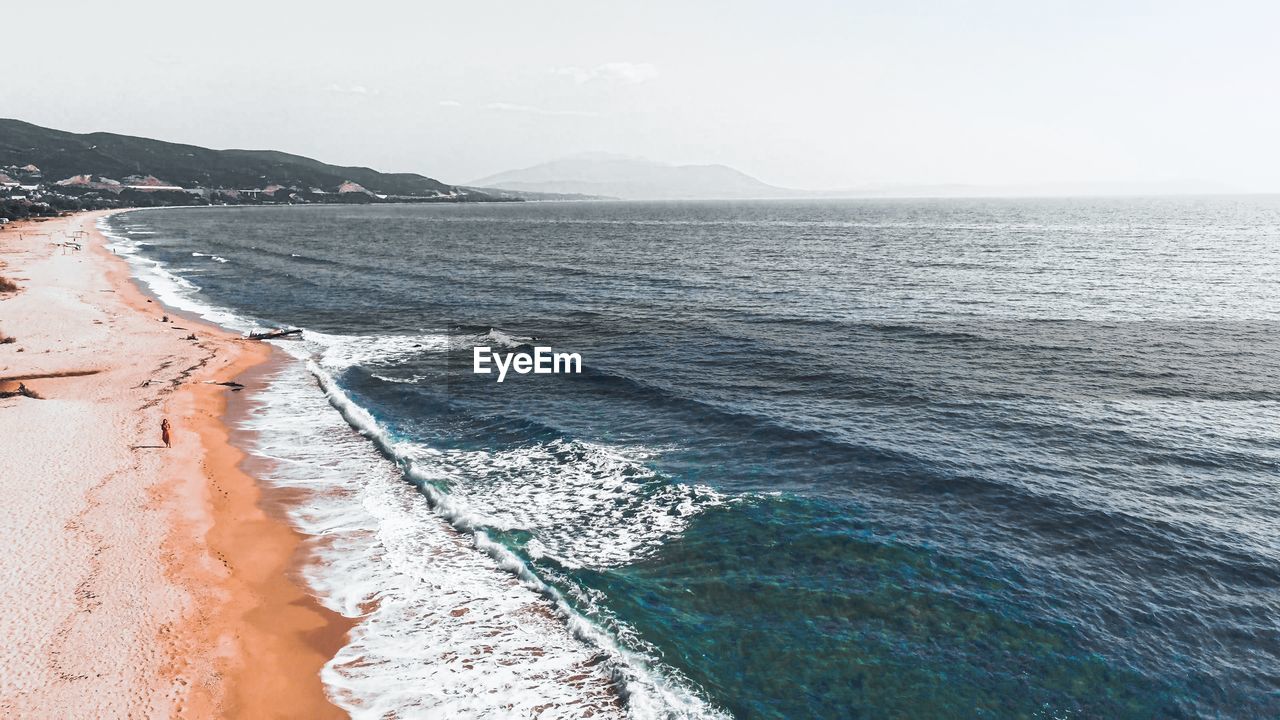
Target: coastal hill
{"x": 630, "y": 178}
{"x": 101, "y": 159}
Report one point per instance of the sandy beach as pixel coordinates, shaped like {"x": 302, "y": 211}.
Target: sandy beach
{"x": 139, "y": 580}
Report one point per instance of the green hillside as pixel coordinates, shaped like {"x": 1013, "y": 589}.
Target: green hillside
{"x": 62, "y": 154}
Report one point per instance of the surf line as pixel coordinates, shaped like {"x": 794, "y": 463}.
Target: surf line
{"x": 542, "y": 361}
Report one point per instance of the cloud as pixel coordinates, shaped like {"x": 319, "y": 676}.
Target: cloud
{"x": 449, "y": 103}
{"x": 512, "y": 107}
{"x": 351, "y": 90}
{"x": 615, "y": 72}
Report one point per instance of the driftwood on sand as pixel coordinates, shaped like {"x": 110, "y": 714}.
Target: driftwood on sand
{"x": 271, "y": 334}
{"x": 22, "y": 391}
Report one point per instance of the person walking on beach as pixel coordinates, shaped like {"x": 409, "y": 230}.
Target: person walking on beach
{"x": 165, "y": 427}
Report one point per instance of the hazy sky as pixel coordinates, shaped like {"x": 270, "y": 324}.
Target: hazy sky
{"x": 799, "y": 93}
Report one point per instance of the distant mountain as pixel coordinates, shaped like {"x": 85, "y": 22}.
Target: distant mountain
{"x": 631, "y": 178}
{"x": 60, "y": 155}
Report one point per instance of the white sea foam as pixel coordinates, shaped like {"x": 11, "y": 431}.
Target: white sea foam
{"x": 444, "y": 631}
{"x": 502, "y": 339}
{"x": 338, "y": 352}
{"x": 215, "y": 258}
{"x": 588, "y": 504}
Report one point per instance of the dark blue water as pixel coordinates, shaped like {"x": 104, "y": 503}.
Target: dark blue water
{"x": 917, "y": 459}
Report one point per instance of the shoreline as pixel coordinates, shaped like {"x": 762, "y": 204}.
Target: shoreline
{"x": 195, "y": 609}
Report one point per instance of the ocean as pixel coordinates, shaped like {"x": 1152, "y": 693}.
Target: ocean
{"x": 825, "y": 459}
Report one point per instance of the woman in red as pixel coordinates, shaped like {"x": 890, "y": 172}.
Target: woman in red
{"x": 164, "y": 432}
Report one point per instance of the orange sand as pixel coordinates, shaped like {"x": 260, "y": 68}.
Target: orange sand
{"x": 139, "y": 581}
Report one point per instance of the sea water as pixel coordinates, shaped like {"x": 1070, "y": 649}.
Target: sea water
{"x": 911, "y": 458}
